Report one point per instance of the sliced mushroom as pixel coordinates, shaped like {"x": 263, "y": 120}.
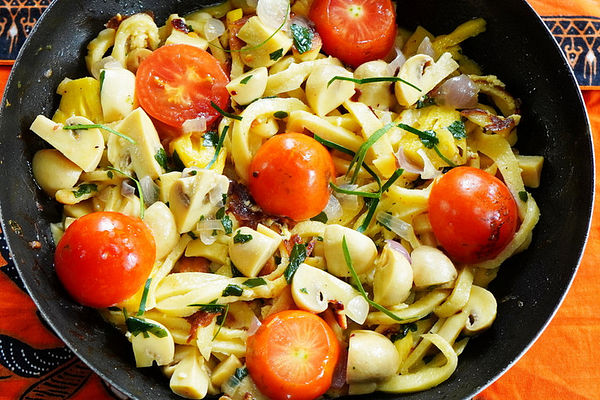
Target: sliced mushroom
{"x": 83, "y": 147}
{"x": 189, "y": 197}
{"x": 161, "y": 222}
{"x": 53, "y": 171}
{"x": 431, "y": 267}
{"x": 313, "y": 289}
{"x": 150, "y": 348}
{"x": 117, "y": 93}
{"x": 393, "y": 278}
{"x": 482, "y": 309}
{"x": 138, "y": 126}
{"x": 249, "y": 86}
{"x": 361, "y": 248}
{"x": 324, "y": 97}
{"x": 423, "y": 72}
{"x": 371, "y": 357}
{"x": 251, "y": 251}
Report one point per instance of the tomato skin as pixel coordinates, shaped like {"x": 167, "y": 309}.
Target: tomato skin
{"x": 104, "y": 258}
{"x": 292, "y": 356}
{"x": 178, "y": 82}
{"x": 290, "y": 175}
{"x": 473, "y": 214}
{"x": 355, "y": 31}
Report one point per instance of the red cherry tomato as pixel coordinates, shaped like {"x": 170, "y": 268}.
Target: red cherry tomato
{"x": 178, "y": 82}
{"x": 104, "y": 258}
{"x": 355, "y": 31}
{"x": 290, "y": 175}
{"x": 292, "y": 356}
{"x": 473, "y": 214}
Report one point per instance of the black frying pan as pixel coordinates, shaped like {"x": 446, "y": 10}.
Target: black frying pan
{"x": 517, "y": 47}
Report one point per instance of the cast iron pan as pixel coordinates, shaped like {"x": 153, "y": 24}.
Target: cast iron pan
{"x": 516, "y": 47}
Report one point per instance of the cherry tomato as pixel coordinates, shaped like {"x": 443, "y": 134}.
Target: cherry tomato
{"x": 292, "y": 356}
{"x": 178, "y": 82}
{"x": 290, "y": 175}
{"x": 104, "y": 258}
{"x": 355, "y": 31}
{"x": 473, "y": 214}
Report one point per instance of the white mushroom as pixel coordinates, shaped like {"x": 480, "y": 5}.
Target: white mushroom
{"x": 393, "y": 278}
{"x": 83, "y": 147}
{"x": 53, "y": 171}
{"x": 249, "y": 86}
{"x": 149, "y": 348}
{"x": 431, "y": 267}
{"x": 371, "y": 357}
{"x": 313, "y": 289}
{"x": 422, "y": 71}
{"x": 249, "y": 249}
{"x": 362, "y": 250}
{"x": 161, "y": 222}
{"x": 482, "y": 309}
{"x": 323, "y": 97}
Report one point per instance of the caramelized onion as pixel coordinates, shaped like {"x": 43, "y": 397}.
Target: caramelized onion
{"x": 457, "y": 92}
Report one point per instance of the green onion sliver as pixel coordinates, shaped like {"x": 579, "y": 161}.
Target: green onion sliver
{"x": 137, "y": 184}
{"x": 359, "y": 158}
{"x": 99, "y": 126}
{"x": 371, "y": 80}
{"x": 219, "y": 147}
{"x": 142, "y": 308}
{"x": 225, "y": 113}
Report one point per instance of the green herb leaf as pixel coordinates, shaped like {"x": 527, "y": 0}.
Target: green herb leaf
{"x": 276, "y": 55}
{"x": 179, "y": 165}
{"x": 99, "y": 126}
{"x": 210, "y": 139}
{"x": 241, "y": 238}
{"x": 321, "y": 217}
{"x": 297, "y": 257}
{"x": 85, "y": 188}
{"x": 302, "y": 38}
{"x": 246, "y": 79}
{"x": 162, "y": 159}
{"x": 212, "y": 307}
{"x": 425, "y": 101}
{"x": 139, "y": 325}
{"x": 139, "y": 188}
{"x": 524, "y": 196}
{"x": 227, "y": 224}
{"x": 359, "y": 285}
{"x": 232, "y": 290}
{"x": 362, "y": 150}
{"x": 254, "y": 282}
{"x": 280, "y": 114}
{"x": 220, "y": 213}
{"x": 303, "y": 290}
{"x": 429, "y": 140}
{"x": 192, "y": 235}
{"x": 221, "y": 322}
{"x": 458, "y": 130}
{"x": 142, "y": 307}
{"x": 219, "y": 147}
{"x": 225, "y": 113}
{"x": 238, "y": 376}
{"x": 371, "y": 80}
{"x": 338, "y": 189}
{"x": 404, "y": 329}
{"x": 109, "y": 174}
{"x": 102, "y": 76}
{"x": 234, "y": 271}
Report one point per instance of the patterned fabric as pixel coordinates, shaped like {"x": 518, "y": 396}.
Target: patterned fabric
{"x": 35, "y": 365}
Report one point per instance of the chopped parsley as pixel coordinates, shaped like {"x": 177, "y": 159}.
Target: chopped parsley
{"x": 162, "y": 159}
{"x": 404, "y": 329}
{"x": 303, "y": 290}
{"x": 192, "y": 235}
{"x": 142, "y": 307}
{"x": 85, "y": 188}
{"x": 321, "y": 217}
{"x": 429, "y": 139}
{"x": 110, "y": 174}
{"x": 232, "y": 290}
{"x": 235, "y": 272}
{"x": 254, "y": 282}
{"x": 280, "y": 114}
{"x": 139, "y": 325}
{"x": 297, "y": 257}
{"x": 425, "y": 101}
{"x": 458, "y": 130}
{"x": 210, "y": 139}
{"x": 246, "y": 79}
{"x": 302, "y": 38}
{"x": 102, "y": 76}
{"x": 219, "y": 146}
{"x": 241, "y": 238}
{"x": 524, "y": 196}
{"x": 276, "y": 55}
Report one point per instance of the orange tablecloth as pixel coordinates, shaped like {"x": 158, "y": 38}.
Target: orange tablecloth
{"x": 562, "y": 364}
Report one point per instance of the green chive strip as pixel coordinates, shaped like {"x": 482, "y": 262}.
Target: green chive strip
{"x": 222, "y": 322}
{"x": 139, "y": 188}
{"x": 218, "y": 148}
{"x": 360, "y": 286}
{"x": 359, "y": 158}
{"x": 142, "y": 308}
{"x": 371, "y": 195}
{"x": 371, "y": 80}
{"x": 375, "y": 202}
{"x": 99, "y": 126}
{"x": 225, "y": 113}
